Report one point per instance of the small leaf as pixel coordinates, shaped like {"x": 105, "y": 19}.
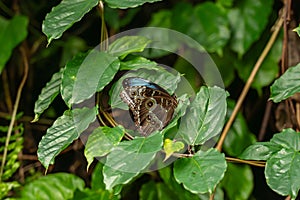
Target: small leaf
{"x": 129, "y": 158}
{"x": 172, "y": 146}
{"x": 205, "y": 116}
{"x": 69, "y": 77}
{"x": 63, "y": 132}
{"x": 247, "y": 21}
{"x": 101, "y": 141}
{"x": 59, "y": 186}
{"x": 128, "y": 44}
{"x": 297, "y": 30}
{"x": 260, "y": 151}
{"x": 286, "y": 85}
{"x": 95, "y": 72}
{"x": 12, "y": 32}
{"x": 127, "y": 3}
{"x": 202, "y": 172}
{"x": 48, "y": 94}
{"x": 64, "y": 15}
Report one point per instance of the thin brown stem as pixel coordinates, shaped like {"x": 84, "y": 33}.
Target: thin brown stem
{"x": 265, "y": 121}
{"x": 249, "y": 82}
{"x": 15, "y": 109}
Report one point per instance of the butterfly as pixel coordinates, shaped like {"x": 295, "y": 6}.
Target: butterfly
{"x": 150, "y": 106}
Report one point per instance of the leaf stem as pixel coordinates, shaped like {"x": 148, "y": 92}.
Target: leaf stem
{"x": 249, "y": 82}
{"x": 15, "y": 109}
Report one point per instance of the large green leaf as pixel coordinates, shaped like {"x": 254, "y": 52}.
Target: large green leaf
{"x": 63, "y": 132}
{"x": 101, "y": 141}
{"x": 59, "y": 186}
{"x": 127, "y": 3}
{"x": 12, "y": 32}
{"x": 48, "y": 94}
{"x": 205, "y": 116}
{"x": 202, "y": 172}
{"x": 210, "y": 27}
{"x": 282, "y": 172}
{"x": 64, "y": 15}
{"x": 138, "y": 62}
{"x": 97, "y": 178}
{"x": 95, "y": 72}
{"x": 286, "y": 85}
{"x": 128, "y": 44}
{"x": 283, "y": 158}
{"x": 241, "y": 177}
{"x": 129, "y": 158}
{"x": 166, "y": 174}
{"x": 247, "y": 21}
{"x": 69, "y": 77}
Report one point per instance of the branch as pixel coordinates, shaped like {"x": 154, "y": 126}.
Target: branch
{"x": 249, "y": 82}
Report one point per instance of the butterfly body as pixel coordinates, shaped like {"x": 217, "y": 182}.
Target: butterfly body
{"x": 151, "y": 106}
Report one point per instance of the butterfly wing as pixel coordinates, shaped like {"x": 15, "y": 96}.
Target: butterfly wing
{"x": 150, "y": 105}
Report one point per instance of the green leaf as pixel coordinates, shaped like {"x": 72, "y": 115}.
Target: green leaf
{"x": 69, "y": 77}
{"x": 97, "y": 178}
{"x": 138, "y": 62}
{"x": 202, "y": 172}
{"x": 205, "y": 116}
{"x": 260, "y": 151}
{"x": 297, "y": 30}
{"x": 101, "y": 141}
{"x": 286, "y": 85}
{"x": 161, "y": 19}
{"x": 239, "y": 137}
{"x": 63, "y": 132}
{"x": 64, "y": 15}
{"x": 241, "y": 177}
{"x": 6, "y": 187}
{"x": 128, "y": 44}
{"x": 12, "y": 32}
{"x": 148, "y": 191}
{"x": 268, "y": 71}
{"x": 48, "y": 94}
{"x": 175, "y": 188}
{"x": 59, "y": 186}
{"x": 127, "y": 3}
{"x": 172, "y": 146}
{"x": 95, "y": 72}
{"x": 211, "y": 27}
{"x": 283, "y": 158}
{"x": 247, "y": 21}
{"x": 129, "y": 158}
{"x": 282, "y": 172}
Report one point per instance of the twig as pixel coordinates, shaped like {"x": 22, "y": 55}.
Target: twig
{"x": 264, "y": 124}
{"x": 249, "y": 162}
{"x": 7, "y": 94}
{"x": 249, "y": 82}
{"x": 15, "y": 109}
